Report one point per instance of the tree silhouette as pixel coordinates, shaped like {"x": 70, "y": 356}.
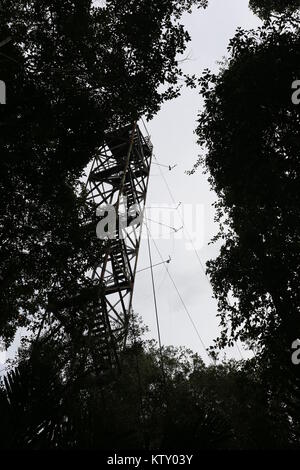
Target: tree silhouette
{"x": 225, "y": 406}
{"x": 250, "y": 127}
{"x": 250, "y": 131}
{"x": 265, "y": 8}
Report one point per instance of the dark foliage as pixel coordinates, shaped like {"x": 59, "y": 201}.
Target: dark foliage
{"x": 250, "y": 133}
{"x": 194, "y": 407}
{"x": 266, "y": 8}
{"x": 250, "y": 128}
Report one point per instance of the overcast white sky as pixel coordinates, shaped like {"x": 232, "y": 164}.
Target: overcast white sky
{"x": 172, "y": 132}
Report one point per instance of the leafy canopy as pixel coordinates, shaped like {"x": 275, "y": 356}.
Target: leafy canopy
{"x": 250, "y": 134}
{"x": 266, "y": 8}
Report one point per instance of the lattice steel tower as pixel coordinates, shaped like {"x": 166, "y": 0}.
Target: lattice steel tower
{"x": 119, "y": 179}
